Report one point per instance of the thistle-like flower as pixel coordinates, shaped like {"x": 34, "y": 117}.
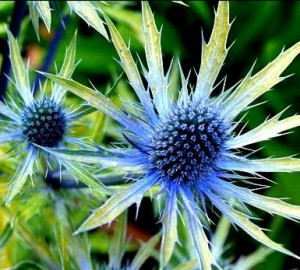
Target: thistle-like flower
{"x": 189, "y": 146}
{"x": 28, "y": 124}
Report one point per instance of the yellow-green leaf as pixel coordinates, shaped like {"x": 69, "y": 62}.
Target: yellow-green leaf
{"x": 88, "y": 13}
{"x": 116, "y": 204}
{"x": 20, "y": 73}
{"x": 25, "y": 169}
{"x": 269, "y": 129}
{"x": 169, "y": 221}
{"x": 130, "y": 68}
{"x": 253, "y": 86}
{"x": 44, "y": 10}
{"x": 78, "y": 172}
{"x": 213, "y": 53}
{"x": 285, "y": 164}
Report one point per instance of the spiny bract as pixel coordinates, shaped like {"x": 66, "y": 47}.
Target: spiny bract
{"x": 87, "y": 10}
{"x": 33, "y": 123}
{"x": 189, "y": 148}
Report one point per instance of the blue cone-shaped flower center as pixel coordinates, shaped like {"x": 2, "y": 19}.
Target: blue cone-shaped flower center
{"x": 188, "y": 143}
{"x": 44, "y": 123}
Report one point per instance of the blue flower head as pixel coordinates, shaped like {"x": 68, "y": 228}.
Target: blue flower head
{"x": 185, "y": 146}
{"x": 44, "y": 122}
{"x": 30, "y": 123}
{"x": 186, "y": 143}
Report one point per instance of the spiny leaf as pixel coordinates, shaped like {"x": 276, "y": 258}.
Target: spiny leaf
{"x": 213, "y": 53}
{"x": 88, "y": 13}
{"x": 169, "y": 221}
{"x": 200, "y": 241}
{"x": 5, "y": 110}
{"x": 40, "y": 9}
{"x": 128, "y": 17}
{"x": 144, "y": 252}
{"x": 94, "y": 157}
{"x": 152, "y": 40}
{"x": 82, "y": 111}
{"x": 63, "y": 233}
{"x": 269, "y": 129}
{"x": 256, "y": 232}
{"x": 285, "y": 164}
{"x": 249, "y": 227}
{"x": 68, "y": 65}
{"x": 25, "y": 169}
{"x": 219, "y": 237}
{"x": 44, "y": 12}
{"x": 78, "y": 172}
{"x": 253, "y": 86}
{"x": 250, "y": 261}
{"x": 67, "y": 68}
{"x": 34, "y": 16}
{"x": 20, "y": 73}
{"x": 116, "y": 204}
{"x": 268, "y": 204}
{"x": 117, "y": 248}
{"x": 130, "y": 68}
{"x": 155, "y": 76}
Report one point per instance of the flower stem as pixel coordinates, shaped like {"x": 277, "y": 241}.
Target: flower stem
{"x": 14, "y": 27}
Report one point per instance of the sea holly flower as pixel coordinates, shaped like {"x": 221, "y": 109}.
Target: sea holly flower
{"x": 87, "y": 10}
{"x": 29, "y": 123}
{"x": 189, "y": 147}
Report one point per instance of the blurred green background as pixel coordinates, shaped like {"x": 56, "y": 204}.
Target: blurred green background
{"x": 260, "y": 31}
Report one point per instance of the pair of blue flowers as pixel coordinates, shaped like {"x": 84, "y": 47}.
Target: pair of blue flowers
{"x": 184, "y": 144}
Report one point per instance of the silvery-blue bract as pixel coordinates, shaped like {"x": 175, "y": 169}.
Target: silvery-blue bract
{"x": 187, "y": 144}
